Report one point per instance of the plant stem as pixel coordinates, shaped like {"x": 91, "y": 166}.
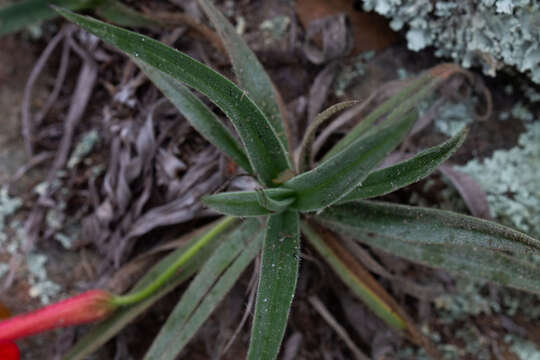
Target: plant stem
{"x": 129, "y": 299}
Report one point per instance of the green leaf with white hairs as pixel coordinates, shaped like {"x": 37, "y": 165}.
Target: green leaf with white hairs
{"x": 336, "y": 177}
{"x": 99, "y": 334}
{"x": 206, "y": 291}
{"x": 392, "y": 178}
{"x": 305, "y": 155}
{"x": 270, "y": 204}
{"x": 247, "y": 203}
{"x": 17, "y": 16}
{"x": 198, "y": 115}
{"x": 249, "y": 72}
{"x": 122, "y": 15}
{"x": 266, "y": 153}
{"x": 457, "y": 243}
{"x": 279, "y": 272}
{"x": 396, "y": 107}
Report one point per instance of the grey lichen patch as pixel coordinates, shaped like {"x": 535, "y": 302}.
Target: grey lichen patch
{"x": 276, "y": 27}
{"x": 83, "y": 148}
{"x": 40, "y": 285}
{"x": 487, "y": 33}
{"x": 452, "y": 117}
{"x": 8, "y": 206}
{"x": 524, "y": 350}
{"x": 351, "y": 72}
{"x": 510, "y": 179}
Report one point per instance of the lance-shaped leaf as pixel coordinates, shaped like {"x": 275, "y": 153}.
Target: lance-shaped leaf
{"x": 340, "y": 174}
{"x": 264, "y": 150}
{"x": 104, "y": 331}
{"x": 249, "y": 72}
{"x": 279, "y": 272}
{"x": 397, "y": 106}
{"x": 122, "y": 15}
{"x": 17, "y": 16}
{"x": 392, "y": 178}
{"x": 207, "y": 290}
{"x": 457, "y": 243}
{"x": 198, "y": 115}
{"x": 246, "y": 203}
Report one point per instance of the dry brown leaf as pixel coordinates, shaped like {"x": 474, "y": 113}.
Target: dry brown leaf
{"x": 371, "y": 31}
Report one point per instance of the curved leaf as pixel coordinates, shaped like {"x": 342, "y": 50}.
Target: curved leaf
{"x": 304, "y": 157}
{"x": 337, "y": 176}
{"x": 398, "y": 101}
{"x": 270, "y": 204}
{"x": 458, "y": 243}
{"x": 198, "y": 115}
{"x": 107, "y": 329}
{"x": 245, "y": 203}
{"x": 279, "y": 272}
{"x": 249, "y": 72}
{"x": 265, "y": 152}
{"x": 17, "y": 16}
{"x": 392, "y": 178}
{"x": 206, "y": 291}
{"x": 122, "y": 15}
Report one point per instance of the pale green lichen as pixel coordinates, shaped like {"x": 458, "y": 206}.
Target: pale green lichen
{"x": 8, "y": 206}
{"x": 510, "y": 179}
{"x": 487, "y": 32}
{"x": 351, "y": 72}
{"x": 525, "y": 350}
{"x": 83, "y": 148}
{"x": 40, "y": 285}
{"x": 275, "y": 27}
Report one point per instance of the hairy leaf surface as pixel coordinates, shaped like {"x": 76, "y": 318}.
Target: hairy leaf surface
{"x": 458, "y": 243}
{"x": 264, "y": 150}
{"x": 279, "y": 272}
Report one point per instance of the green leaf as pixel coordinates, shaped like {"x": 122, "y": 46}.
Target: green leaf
{"x": 249, "y": 72}
{"x": 279, "y": 272}
{"x": 198, "y": 115}
{"x": 270, "y": 204}
{"x": 265, "y": 152}
{"x": 120, "y": 14}
{"x": 245, "y": 203}
{"x": 340, "y": 174}
{"x": 304, "y": 157}
{"x": 398, "y": 104}
{"x": 17, "y": 16}
{"x": 394, "y": 177}
{"x": 104, "y": 331}
{"x": 457, "y": 243}
{"x": 207, "y": 290}
{"x": 359, "y": 288}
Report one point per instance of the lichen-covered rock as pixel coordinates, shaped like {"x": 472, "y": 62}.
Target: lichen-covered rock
{"x": 485, "y": 32}
{"x": 510, "y": 178}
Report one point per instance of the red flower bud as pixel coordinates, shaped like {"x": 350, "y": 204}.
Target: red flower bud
{"x": 87, "y": 307}
{"x": 9, "y": 351}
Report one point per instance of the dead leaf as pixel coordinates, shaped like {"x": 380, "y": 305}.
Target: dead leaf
{"x": 471, "y": 192}
{"x": 371, "y": 31}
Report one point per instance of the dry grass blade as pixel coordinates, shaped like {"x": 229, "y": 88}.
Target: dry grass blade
{"x": 340, "y": 330}
{"x": 364, "y": 285}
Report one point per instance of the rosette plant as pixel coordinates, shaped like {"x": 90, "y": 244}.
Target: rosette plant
{"x": 297, "y": 197}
